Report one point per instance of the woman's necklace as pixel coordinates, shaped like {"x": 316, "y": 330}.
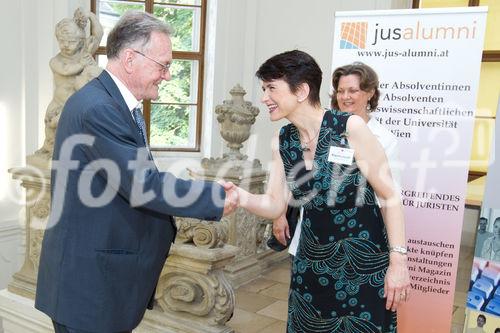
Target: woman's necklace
{"x": 304, "y": 146}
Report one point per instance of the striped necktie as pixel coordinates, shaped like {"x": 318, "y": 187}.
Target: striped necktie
{"x": 141, "y": 124}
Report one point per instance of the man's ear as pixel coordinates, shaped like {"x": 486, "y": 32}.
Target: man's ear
{"x": 127, "y": 58}
{"x": 302, "y": 92}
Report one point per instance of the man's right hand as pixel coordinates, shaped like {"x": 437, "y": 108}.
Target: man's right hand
{"x": 232, "y": 198}
{"x": 281, "y": 230}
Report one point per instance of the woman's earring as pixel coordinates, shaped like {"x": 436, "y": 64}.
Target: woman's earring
{"x": 368, "y": 106}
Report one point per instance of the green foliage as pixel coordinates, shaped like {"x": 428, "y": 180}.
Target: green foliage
{"x": 121, "y": 8}
{"x": 170, "y": 122}
{"x": 169, "y": 125}
{"x": 181, "y": 19}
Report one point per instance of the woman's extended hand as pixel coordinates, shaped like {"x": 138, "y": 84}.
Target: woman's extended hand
{"x": 397, "y": 281}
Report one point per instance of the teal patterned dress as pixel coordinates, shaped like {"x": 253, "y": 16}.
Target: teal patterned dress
{"x": 338, "y": 272}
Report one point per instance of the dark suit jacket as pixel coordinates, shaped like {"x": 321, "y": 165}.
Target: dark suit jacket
{"x": 99, "y": 264}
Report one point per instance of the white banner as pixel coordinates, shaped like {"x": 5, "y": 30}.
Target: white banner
{"x": 428, "y": 62}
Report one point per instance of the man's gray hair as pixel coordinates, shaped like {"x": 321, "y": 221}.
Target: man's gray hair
{"x": 134, "y": 28}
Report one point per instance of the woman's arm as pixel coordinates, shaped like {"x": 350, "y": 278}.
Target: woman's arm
{"x": 370, "y": 156}
{"x": 273, "y": 203}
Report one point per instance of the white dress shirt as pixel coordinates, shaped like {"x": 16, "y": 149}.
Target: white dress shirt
{"x": 129, "y": 98}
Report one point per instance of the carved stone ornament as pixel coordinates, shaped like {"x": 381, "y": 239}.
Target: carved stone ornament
{"x": 192, "y": 287}
{"x": 41, "y": 209}
{"x": 39, "y": 215}
{"x": 36, "y": 238}
{"x": 235, "y": 117}
{"x": 202, "y": 234}
{"x": 246, "y": 225}
{"x": 202, "y": 295}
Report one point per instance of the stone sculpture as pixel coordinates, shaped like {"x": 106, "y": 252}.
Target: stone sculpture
{"x": 235, "y": 116}
{"x": 72, "y": 68}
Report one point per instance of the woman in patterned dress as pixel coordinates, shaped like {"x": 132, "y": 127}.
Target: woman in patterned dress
{"x": 345, "y": 278}
{"x": 355, "y": 90}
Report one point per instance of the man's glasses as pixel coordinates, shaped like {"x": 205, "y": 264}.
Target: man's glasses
{"x": 164, "y": 67}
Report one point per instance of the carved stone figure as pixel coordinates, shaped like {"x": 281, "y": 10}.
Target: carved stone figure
{"x": 72, "y": 68}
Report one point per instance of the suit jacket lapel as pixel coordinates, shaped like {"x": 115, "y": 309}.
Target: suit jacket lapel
{"x": 114, "y": 92}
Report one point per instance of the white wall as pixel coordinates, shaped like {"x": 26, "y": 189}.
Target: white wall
{"x": 12, "y": 138}
{"x": 249, "y": 32}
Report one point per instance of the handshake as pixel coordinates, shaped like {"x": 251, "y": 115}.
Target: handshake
{"x": 232, "y": 196}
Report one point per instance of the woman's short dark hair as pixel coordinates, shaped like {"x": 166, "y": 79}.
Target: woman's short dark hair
{"x": 294, "y": 67}
{"x": 368, "y": 80}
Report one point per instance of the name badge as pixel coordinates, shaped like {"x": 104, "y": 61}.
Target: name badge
{"x": 341, "y": 155}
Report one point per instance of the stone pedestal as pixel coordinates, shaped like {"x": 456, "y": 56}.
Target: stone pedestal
{"x": 36, "y": 182}
{"x": 193, "y": 294}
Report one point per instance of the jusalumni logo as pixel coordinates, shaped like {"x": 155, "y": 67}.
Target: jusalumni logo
{"x": 353, "y": 35}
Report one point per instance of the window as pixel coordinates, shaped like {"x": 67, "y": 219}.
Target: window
{"x": 174, "y": 120}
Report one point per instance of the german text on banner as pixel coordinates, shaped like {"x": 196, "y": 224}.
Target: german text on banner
{"x": 428, "y": 62}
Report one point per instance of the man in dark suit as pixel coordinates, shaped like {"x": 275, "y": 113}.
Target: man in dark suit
{"x": 111, "y": 224}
